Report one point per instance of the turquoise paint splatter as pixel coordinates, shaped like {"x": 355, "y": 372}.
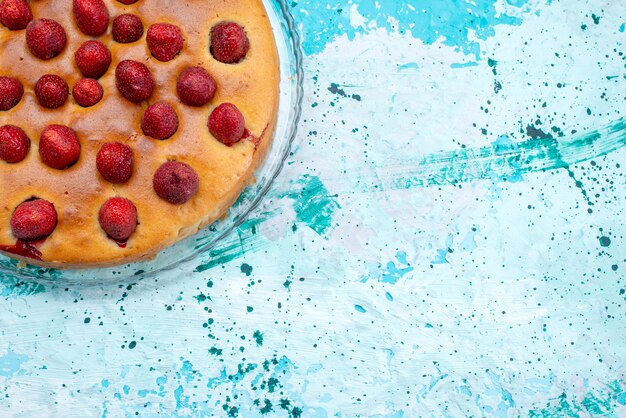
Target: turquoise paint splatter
{"x": 186, "y": 372}
{"x": 12, "y": 287}
{"x": 394, "y": 270}
{"x": 504, "y": 144}
{"x": 233, "y": 247}
{"x": 469, "y": 242}
{"x": 457, "y": 65}
{"x": 496, "y": 161}
{"x": 11, "y": 363}
{"x": 145, "y": 392}
{"x": 246, "y": 269}
{"x": 408, "y": 66}
{"x": 202, "y": 297}
{"x": 258, "y": 338}
{"x": 433, "y": 20}
{"x": 336, "y": 89}
{"x": 313, "y": 204}
{"x": 442, "y": 253}
{"x": 605, "y": 402}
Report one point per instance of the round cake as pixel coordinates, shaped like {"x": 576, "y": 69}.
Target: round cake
{"x": 128, "y": 125}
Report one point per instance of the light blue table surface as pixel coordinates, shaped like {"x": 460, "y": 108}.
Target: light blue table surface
{"x": 446, "y": 239}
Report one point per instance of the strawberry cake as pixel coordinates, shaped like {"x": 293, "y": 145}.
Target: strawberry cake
{"x": 128, "y": 125}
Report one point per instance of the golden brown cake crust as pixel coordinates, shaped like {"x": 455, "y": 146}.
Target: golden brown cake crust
{"x": 79, "y": 191}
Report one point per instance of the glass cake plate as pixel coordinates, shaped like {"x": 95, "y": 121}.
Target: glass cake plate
{"x": 291, "y": 92}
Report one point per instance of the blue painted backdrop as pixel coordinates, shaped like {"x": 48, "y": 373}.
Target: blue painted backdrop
{"x": 447, "y": 239}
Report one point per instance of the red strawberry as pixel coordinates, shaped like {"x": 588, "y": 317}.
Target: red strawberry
{"x": 115, "y": 162}
{"x": 11, "y": 92}
{"x": 195, "y": 86}
{"x": 59, "y": 147}
{"x": 134, "y": 81}
{"x": 127, "y": 28}
{"x": 92, "y": 16}
{"x": 229, "y": 42}
{"x": 45, "y": 38}
{"x": 87, "y": 92}
{"x": 227, "y": 124}
{"x": 118, "y": 218}
{"x": 176, "y": 182}
{"x": 14, "y": 144}
{"x": 51, "y": 91}
{"x": 15, "y": 14}
{"x": 164, "y": 41}
{"x": 33, "y": 220}
{"x": 160, "y": 121}
{"x": 93, "y": 59}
